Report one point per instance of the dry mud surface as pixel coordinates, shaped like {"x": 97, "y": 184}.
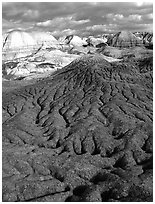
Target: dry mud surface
{"x": 85, "y": 135}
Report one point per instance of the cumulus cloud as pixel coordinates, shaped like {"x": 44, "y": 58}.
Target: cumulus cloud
{"x": 80, "y": 17}
{"x": 96, "y": 27}
{"x": 62, "y": 22}
{"x": 118, "y": 16}
{"x": 9, "y": 25}
{"x": 45, "y": 23}
{"x": 64, "y": 32}
{"x": 121, "y": 18}
{"x": 102, "y": 28}
{"x": 135, "y": 17}
{"x": 81, "y": 22}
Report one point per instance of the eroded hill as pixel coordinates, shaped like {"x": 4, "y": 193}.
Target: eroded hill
{"x": 85, "y": 135}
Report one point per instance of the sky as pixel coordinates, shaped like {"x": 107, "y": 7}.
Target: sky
{"x": 78, "y": 18}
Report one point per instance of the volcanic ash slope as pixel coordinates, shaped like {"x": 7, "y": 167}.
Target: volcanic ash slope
{"x": 85, "y": 135}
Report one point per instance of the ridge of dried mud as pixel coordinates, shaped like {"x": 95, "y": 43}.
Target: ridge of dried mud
{"x": 85, "y": 135}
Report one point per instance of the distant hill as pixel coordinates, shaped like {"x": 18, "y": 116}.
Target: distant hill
{"x": 124, "y": 39}
{"x": 19, "y": 43}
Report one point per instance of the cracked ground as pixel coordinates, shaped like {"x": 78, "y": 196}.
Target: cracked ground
{"x": 83, "y": 135}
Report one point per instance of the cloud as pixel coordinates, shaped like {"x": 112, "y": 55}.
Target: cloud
{"x": 9, "y": 25}
{"x": 121, "y": 18}
{"x": 118, "y": 16}
{"x": 62, "y": 22}
{"x": 63, "y": 25}
{"x": 89, "y": 18}
{"x": 81, "y": 22}
{"x": 31, "y": 13}
{"x": 148, "y": 16}
{"x": 45, "y": 23}
{"x": 64, "y": 32}
{"x": 102, "y": 28}
{"x": 135, "y": 17}
{"x": 142, "y": 3}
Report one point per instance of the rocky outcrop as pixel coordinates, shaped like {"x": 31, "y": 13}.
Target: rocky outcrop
{"x": 41, "y": 62}
{"x": 148, "y": 40}
{"x": 24, "y": 69}
{"x": 124, "y": 39}
{"x": 96, "y": 42}
{"x": 73, "y": 40}
{"x": 85, "y": 135}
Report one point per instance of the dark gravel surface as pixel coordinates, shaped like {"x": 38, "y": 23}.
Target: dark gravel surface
{"x": 85, "y": 135}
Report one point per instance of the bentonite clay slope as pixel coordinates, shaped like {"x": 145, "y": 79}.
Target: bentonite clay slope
{"x": 85, "y": 135}
{"x": 18, "y": 43}
{"x": 125, "y": 39}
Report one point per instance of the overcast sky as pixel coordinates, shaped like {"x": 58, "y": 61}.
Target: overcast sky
{"x": 87, "y": 18}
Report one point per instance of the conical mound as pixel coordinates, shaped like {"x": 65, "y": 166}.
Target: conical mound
{"x": 45, "y": 39}
{"x": 67, "y": 137}
{"x": 125, "y": 39}
{"x": 19, "y": 43}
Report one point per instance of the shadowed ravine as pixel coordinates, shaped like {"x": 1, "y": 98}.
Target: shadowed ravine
{"x": 84, "y": 135}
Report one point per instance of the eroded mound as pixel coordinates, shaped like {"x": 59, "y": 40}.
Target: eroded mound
{"x": 85, "y": 135}
{"x": 124, "y": 39}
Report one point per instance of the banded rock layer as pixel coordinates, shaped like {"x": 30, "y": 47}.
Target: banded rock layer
{"x": 18, "y": 44}
{"x": 124, "y": 39}
{"x": 85, "y": 135}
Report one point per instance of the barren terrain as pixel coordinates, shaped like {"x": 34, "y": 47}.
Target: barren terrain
{"x": 83, "y": 135}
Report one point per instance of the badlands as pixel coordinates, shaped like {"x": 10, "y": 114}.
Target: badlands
{"x": 77, "y": 117}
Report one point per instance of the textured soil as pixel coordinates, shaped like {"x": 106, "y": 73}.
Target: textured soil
{"x": 85, "y": 135}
